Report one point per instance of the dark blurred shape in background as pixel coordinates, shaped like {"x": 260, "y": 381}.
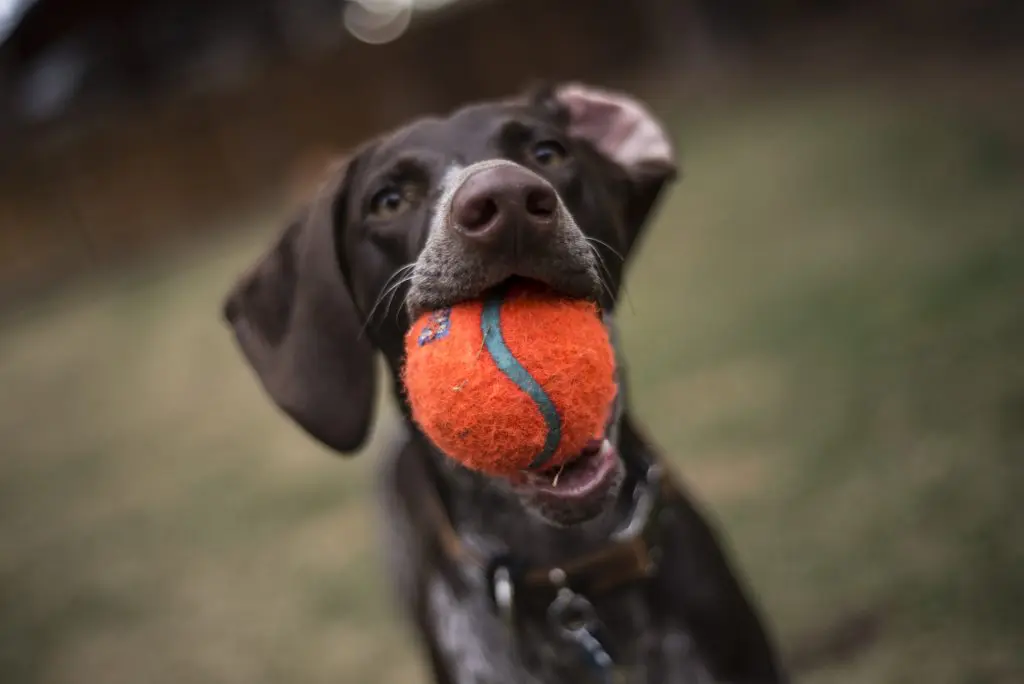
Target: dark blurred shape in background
{"x": 231, "y": 94}
{"x": 825, "y": 325}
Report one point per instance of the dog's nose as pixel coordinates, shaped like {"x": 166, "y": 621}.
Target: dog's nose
{"x": 504, "y": 204}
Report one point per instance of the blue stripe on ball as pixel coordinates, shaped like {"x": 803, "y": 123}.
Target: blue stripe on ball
{"x": 494, "y": 341}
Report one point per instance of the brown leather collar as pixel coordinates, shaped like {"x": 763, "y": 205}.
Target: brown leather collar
{"x": 632, "y": 555}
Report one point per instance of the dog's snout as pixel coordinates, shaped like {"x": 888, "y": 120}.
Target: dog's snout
{"x": 496, "y": 220}
{"x": 505, "y": 203}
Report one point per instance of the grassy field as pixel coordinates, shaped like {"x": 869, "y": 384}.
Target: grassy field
{"x": 826, "y": 326}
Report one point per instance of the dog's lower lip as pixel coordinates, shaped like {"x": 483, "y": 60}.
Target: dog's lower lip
{"x": 582, "y": 478}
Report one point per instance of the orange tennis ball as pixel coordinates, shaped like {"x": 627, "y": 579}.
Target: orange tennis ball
{"x": 521, "y": 379}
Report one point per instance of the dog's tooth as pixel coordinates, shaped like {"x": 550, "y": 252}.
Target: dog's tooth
{"x": 554, "y": 482}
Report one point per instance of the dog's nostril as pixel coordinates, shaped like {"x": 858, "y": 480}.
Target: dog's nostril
{"x": 477, "y": 214}
{"x": 541, "y": 203}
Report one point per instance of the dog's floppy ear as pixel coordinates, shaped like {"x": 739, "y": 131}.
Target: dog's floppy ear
{"x": 626, "y": 133}
{"x": 295, "y": 321}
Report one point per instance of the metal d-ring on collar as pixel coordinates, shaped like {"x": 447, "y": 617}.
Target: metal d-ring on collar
{"x": 575, "y": 618}
{"x": 571, "y": 614}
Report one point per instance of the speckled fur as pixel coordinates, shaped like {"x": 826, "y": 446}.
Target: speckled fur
{"x": 469, "y": 643}
{"x": 466, "y": 641}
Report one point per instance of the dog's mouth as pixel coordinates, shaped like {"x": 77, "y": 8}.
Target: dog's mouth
{"x": 580, "y": 488}
{"x": 586, "y": 475}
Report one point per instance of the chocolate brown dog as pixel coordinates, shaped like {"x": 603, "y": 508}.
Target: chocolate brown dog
{"x": 611, "y": 573}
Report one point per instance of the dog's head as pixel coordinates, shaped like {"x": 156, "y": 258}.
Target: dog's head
{"x": 555, "y": 186}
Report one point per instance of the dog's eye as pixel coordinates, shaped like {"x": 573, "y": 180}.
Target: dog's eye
{"x": 548, "y": 153}
{"x": 392, "y": 200}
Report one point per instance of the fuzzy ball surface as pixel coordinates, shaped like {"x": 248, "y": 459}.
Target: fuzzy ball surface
{"x": 521, "y": 379}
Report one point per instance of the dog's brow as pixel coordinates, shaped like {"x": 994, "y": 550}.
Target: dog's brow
{"x": 397, "y": 165}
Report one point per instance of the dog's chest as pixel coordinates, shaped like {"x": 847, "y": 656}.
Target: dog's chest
{"x": 478, "y": 647}
{"x": 475, "y": 645}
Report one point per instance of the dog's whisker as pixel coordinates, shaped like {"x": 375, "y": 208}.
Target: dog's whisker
{"x": 399, "y": 272}
{"x": 622, "y": 287}
{"x": 607, "y": 288}
{"x": 604, "y": 244}
{"x": 391, "y": 300}
{"x": 391, "y": 291}
{"x": 384, "y": 291}
{"x": 601, "y": 277}
{"x": 398, "y": 309}
{"x": 600, "y": 261}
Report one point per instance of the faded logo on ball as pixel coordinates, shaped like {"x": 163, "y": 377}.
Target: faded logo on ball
{"x": 436, "y": 327}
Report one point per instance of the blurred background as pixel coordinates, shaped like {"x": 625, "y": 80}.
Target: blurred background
{"x": 826, "y": 323}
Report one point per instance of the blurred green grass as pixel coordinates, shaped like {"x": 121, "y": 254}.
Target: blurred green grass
{"x": 826, "y": 332}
